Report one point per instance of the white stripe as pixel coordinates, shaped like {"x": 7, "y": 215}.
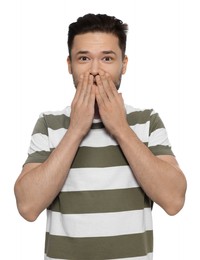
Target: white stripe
{"x": 99, "y": 224}
{"x": 158, "y": 137}
{"x": 67, "y": 111}
{"x": 142, "y": 131}
{"x": 95, "y": 138}
{"x": 147, "y": 257}
{"x": 55, "y": 136}
{"x": 100, "y": 179}
{"x": 98, "y": 137}
{"x": 39, "y": 142}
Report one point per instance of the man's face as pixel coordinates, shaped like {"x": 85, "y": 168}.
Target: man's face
{"x": 95, "y": 52}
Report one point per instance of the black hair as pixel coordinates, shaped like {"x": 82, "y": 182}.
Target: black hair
{"x": 98, "y": 23}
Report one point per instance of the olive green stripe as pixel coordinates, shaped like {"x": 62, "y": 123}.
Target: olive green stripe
{"x": 161, "y": 150}
{"x": 100, "y": 201}
{"x": 37, "y": 157}
{"x": 99, "y": 125}
{"x": 92, "y": 157}
{"x": 133, "y": 245}
{"x": 40, "y": 127}
{"x": 88, "y": 157}
{"x": 155, "y": 123}
{"x": 139, "y": 117}
{"x": 56, "y": 122}
{"x": 142, "y": 117}
{"x": 108, "y": 156}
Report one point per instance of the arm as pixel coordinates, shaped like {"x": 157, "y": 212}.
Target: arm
{"x": 39, "y": 184}
{"x": 159, "y": 176}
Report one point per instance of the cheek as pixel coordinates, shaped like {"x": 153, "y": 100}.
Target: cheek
{"x": 116, "y": 69}
{"x": 77, "y": 70}
{"x": 116, "y": 73}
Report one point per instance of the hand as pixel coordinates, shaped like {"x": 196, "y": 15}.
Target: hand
{"x": 82, "y": 107}
{"x": 111, "y": 104}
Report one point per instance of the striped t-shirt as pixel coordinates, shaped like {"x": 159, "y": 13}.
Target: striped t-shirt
{"x": 101, "y": 211}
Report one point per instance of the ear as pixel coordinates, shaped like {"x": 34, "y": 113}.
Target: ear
{"x": 124, "y": 65}
{"x": 69, "y": 65}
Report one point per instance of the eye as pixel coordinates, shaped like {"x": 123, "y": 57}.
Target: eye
{"x": 108, "y": 59}
{"x": 83, "y": 58}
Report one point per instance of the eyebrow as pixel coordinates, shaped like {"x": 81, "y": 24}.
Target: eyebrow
{"x": 103, "y": 52}
{"x": 109, "y": 52}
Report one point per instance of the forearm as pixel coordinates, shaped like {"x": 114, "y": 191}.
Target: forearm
{"x": 161, "y": 180}
{"x": 37, "y": 188}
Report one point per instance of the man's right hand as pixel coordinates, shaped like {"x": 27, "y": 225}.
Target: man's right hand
{"x": 82, "y": 107}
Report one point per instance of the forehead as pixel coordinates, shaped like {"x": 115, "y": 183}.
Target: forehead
{"x": 96, "y": 42}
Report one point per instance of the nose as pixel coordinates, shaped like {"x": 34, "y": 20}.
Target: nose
{"x": 94, "y": 70}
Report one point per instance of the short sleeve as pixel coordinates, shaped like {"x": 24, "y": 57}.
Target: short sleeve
{"x": 158, "y": 141}
{"x": 39, "y": 149}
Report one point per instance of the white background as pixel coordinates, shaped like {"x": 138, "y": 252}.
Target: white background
{"x": 163, "y": 73}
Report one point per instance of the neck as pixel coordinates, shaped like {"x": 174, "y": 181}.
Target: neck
{"x": 96, "y": 111}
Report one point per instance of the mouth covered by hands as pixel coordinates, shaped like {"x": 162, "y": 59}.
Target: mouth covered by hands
{"x": 102, "y": 90}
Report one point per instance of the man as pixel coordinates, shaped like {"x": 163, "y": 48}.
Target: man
{"x": 98, "y": 165}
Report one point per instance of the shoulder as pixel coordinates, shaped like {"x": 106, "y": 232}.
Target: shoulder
{"x": 66, "y": 111}
{"x": 130, "y": 109}
{"x": 139, "y": 115}
{"x": 54, "y": 119}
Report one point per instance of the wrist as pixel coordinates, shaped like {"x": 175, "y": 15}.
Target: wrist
{"x": 122, "y": 132}
{"x": 76, "y": 134}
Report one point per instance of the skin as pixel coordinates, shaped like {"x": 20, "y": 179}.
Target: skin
{"x": 97, "y": 65}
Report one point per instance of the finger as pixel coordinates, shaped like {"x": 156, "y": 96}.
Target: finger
{"x": 88, "y": 89}
{"x": 108, "y": 85}
{"x": 102, "y": 96}
{"x": 91, "y": 99}
{"x": 112, "y": 88}
{"x": 98, "y": 96}
{"x": 83, "y": 87}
